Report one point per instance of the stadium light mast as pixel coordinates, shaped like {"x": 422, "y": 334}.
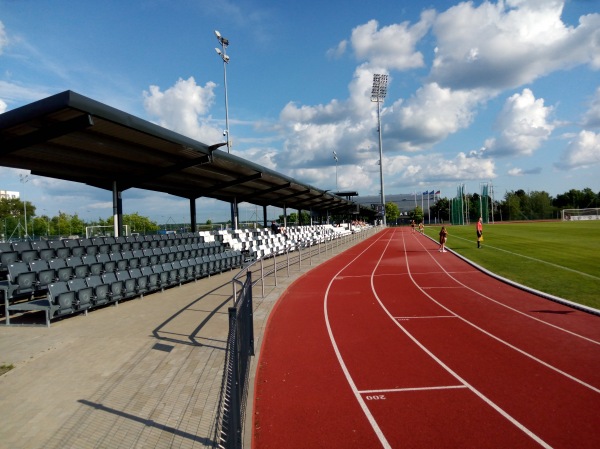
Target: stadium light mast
{"x": 378, "y": 93}
{"x": 335, "y": 156}
{"x": 222, "y": 52}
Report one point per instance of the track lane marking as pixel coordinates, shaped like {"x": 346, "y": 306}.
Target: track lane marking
{"x": 504, "y": 305}
{"x": 361, "y": 401}
{"x": 484, "y": 398}
{"x": 400, "y": 390}
{"x": 489, "y": 334}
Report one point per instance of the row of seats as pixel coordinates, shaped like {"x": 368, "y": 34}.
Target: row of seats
{"x": 27, "y": 251}
{"x": 80, "y": 294}
{"x": 69, "y": 272}
{"x": 264, "y": 243}
{"x": 79, "y": 286}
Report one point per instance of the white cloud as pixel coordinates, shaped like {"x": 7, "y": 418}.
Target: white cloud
{"x": 424, "y": 168}
{"x": 508, "y": 44}
{"x": 582, "y": 152}
{"x": 516, "y": 171}
{"x": 591, "y": 118}
{"x": 12, "y": 92}
{"x": 391, "y": 47}
{"x": 262, "y": 156}
{"x": 3, "y": 38}
{"x": 524, "y": 121}
{"x": 181, "y": 107}
{"x": 3, "y": 106}
{"x": 521, "y": 172}
{"x": 430, "y": 116}
{"x": 338, "y": 51}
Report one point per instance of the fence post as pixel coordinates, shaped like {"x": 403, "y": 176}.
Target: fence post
{"x": 234, "y": 410}
{"x": 275, "y": 267}
{"x": 262, "y": 276}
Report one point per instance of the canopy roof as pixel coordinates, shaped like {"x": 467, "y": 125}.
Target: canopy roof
{"x": 72, "y": 137}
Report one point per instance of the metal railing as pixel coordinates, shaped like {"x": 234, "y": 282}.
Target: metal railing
{"x": 239, "y": 349}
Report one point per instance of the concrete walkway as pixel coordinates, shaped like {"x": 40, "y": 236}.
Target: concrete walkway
{"x": 144, "y": 374}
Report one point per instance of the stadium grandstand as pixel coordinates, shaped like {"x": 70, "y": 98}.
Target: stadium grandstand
{"x": 74, "y": 138}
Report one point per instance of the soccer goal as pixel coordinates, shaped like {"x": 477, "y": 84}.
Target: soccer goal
{"x": 580, "y": 214}
{"x": 104, "y": 231}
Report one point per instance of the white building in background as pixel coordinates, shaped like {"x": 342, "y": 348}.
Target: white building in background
{"x": 406, "y": 202}
{"x": 8, "y": 195}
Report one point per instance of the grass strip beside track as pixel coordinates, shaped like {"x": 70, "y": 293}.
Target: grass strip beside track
{"x": 559, "y": 258}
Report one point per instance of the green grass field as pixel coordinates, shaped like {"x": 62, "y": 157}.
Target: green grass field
{"x": 560, "y": 258}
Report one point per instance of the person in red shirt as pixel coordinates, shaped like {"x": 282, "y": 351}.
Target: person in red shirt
{"x": 479, "y": 233}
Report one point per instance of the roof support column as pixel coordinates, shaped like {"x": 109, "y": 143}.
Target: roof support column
{"x": 265, "y": 216}
{"x": 234, "y": 214}
{"x": 284, "y": 216}
{"x": 117, "y": 210}
{"x": 193, "y": 214}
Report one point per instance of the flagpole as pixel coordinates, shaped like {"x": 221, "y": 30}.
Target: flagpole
{"x": 428, "y": 208}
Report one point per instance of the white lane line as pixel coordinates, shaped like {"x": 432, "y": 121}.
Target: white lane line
{"x": 401, "y": 390}
{"x": 484, "y": 398}
{"x": 538, "y": 260}
{"x": 505, "y": 305}
{"x": 498, "y": 339}
{"x": 357, "y": 394}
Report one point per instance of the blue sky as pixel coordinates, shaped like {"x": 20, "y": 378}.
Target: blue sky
{"x": 506, "y": 92}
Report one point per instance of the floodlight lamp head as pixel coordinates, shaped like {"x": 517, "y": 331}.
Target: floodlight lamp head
{"x": 219, "y": 52}
{"x": 379, "y": 90}
{"x": 223, "y": 41}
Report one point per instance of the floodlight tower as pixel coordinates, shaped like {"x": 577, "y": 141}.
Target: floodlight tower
{"x": 378, "y": 93}
{"x": 335, "y": 156}
{"x": 222, "y": 53}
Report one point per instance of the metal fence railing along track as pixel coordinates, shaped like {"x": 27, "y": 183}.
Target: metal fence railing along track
{"x": 239, "y": 350}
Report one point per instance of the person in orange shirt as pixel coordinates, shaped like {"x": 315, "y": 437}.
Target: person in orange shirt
{"x": 479, "y": 233}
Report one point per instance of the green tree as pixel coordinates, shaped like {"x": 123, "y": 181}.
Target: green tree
{"x": 139, "y": 223}
{"x": 67, "y": 225}
{"x": 441, "y": 210}
{"x": 135, "y": 221}
{"x": 41, "y": 226}
{"x": 417, "y": 214}
{"x": 392, "y": 212}
{"x": 13, "y": 212}
{"x": 540, "y": 204}
{"x": 513, "y": 205}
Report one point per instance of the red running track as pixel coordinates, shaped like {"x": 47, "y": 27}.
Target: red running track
{"x": 395, "y": 345}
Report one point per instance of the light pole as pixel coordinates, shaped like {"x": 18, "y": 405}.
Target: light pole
{"x": 378, "y": 93}
{"x": 222, "y": 53}
{"x": 336, "y": 165}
